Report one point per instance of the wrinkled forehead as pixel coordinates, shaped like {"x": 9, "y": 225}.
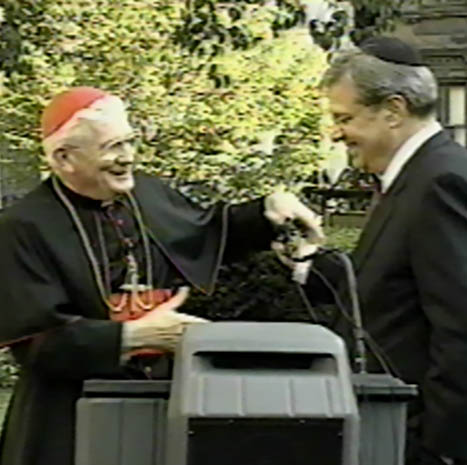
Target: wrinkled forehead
{"x": 102, "y": 131}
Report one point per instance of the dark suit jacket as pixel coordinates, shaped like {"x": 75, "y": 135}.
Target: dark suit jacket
{"x": 411, "y": 267}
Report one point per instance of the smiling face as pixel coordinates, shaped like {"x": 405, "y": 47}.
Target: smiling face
{"x": 366, "y": 130}
{"x": 98, "y": 159}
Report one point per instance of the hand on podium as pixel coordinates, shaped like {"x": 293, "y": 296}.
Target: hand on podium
{"x": 159, "y": 329}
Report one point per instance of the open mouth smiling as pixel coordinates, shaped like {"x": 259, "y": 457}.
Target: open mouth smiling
{"x": 120, "y": 172}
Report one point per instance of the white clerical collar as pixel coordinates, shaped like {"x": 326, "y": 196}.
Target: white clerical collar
{"x": 406, "y": 152}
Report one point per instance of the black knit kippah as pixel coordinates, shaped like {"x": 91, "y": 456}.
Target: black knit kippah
{"x": 392, "y": 50}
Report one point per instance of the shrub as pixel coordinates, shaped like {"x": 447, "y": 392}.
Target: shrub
{"x": 260, "y": 288}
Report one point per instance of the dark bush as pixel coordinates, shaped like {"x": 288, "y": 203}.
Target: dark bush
{"x": 260, "y": 288}
{"x": 257, "y": 289}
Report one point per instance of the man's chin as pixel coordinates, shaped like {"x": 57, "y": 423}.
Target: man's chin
{"x": 122, "y": 186}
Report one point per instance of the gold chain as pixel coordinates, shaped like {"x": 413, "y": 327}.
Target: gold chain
{"x": 92, "y": 256}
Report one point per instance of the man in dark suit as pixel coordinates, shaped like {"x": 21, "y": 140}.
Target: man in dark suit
{"x": 411, "y": 259}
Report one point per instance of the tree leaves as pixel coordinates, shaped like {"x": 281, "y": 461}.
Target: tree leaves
{"x": 199, "y": 115}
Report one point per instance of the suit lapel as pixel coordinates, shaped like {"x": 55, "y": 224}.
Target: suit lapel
{"x": 386, "y": 207}
{"x": 379, "y": 217}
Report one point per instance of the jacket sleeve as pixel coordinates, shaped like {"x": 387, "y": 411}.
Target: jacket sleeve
{"x": 37, "y": 318}
{"x": 326, "y": 279}
{"x": 438, "y": 245}
{"x": 248, "y": 230}
{"x": 79, "y": 350}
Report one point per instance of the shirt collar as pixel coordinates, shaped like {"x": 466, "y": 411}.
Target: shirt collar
{"x": 406, "y": 152}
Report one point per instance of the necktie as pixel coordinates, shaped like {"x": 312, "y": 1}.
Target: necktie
{"x": 376, "y": 197}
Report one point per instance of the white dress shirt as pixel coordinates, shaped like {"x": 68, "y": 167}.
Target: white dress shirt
{"x": 406, "y": 152}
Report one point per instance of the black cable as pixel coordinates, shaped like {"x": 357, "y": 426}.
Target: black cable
{"x": 386, "y": 364}
{"x": 361, "y": 336}
{"x": 307, "y": 303}
{"x": 360, "y": 358}
{"x": 378, "y": 352}
{"x": 288, "y": 232}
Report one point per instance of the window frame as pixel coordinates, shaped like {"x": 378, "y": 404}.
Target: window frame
{"x": 443, "y": 108}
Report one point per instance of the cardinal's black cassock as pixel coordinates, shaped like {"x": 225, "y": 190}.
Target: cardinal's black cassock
{"x": 52, "y": 313}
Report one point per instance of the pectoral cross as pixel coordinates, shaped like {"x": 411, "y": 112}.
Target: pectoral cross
{"x": 131, "y": 283}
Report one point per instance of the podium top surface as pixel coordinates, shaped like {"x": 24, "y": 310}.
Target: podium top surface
{"x": 382, "y": 387}
{"x": 371, "y": 387}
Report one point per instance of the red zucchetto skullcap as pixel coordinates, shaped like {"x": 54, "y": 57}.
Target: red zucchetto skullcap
{"x": 65, "y": 105}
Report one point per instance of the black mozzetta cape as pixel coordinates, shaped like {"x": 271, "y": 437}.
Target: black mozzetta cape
{"x": 43, "y": 264}
{"x": 52, "y": 316}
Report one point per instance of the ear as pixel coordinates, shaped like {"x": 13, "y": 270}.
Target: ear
{"x": 395, "y": 110}
{"x": 62, "y": 160}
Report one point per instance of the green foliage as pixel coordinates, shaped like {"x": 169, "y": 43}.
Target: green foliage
{"x": 201, "y": 117}
{"x": 207, "y": 25}
{"x": 342, "y": 238}
{"x": 373, "y": 17}
{"x": 369, "y": 18}
{"x": 203, "y": 22}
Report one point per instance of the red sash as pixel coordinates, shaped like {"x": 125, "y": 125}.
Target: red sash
{"x": 132, "y": 308}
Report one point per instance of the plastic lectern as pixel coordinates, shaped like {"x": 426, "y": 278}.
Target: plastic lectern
{"x": 247, "y": 393}
{"x": 382, "y": 403}
{"x": 254, "y": 393}
{"x": 121, "y": 423}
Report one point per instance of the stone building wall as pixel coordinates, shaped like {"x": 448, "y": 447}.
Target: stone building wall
{"x": 439, "y": 29}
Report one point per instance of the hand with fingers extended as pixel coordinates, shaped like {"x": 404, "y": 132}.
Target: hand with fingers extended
{"x": 160, "y": 329}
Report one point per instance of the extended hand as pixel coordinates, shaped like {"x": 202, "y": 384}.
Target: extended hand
{"x": 162, "y": 327}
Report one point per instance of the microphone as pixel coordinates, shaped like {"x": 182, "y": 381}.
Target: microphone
{"x": 356, "y": 315}
{"x": 358, "y": 331}
{"x": 301, "y": 253}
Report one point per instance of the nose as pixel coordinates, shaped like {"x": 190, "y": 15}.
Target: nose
{"x": 126, "y": 153}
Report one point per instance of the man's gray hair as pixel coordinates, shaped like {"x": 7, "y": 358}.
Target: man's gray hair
{"x": 376, "y": 80}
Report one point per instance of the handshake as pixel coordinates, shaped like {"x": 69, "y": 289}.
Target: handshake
{"x": 160, "y": 329}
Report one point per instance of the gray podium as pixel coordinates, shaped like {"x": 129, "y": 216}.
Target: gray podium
{"x": 251, "y": 393}
{"x": 247, "y": 393}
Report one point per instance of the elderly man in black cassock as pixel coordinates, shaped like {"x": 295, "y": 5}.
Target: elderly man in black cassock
{"x": 94, "y": 264}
